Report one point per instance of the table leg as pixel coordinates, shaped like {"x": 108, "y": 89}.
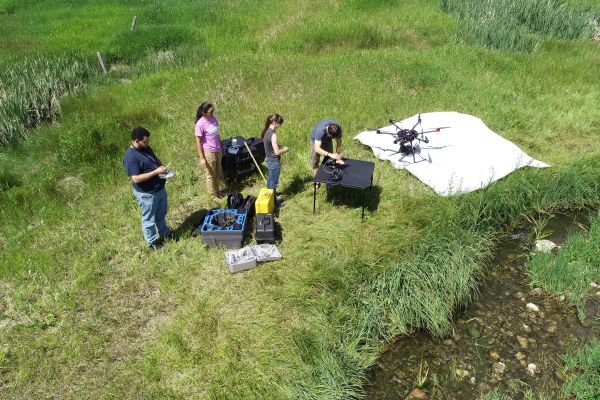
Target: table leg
{"x": 362, "y": 218}
{"x": 365, "y": 198}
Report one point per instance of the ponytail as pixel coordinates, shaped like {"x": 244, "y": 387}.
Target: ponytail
{"x": 203, "y": 109}
{"x": 271, "y": 119}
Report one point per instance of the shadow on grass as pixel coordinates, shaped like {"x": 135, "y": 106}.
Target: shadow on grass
{"x": 188, "y": 225}
{"x": 297, "y": 184}
{"x": 355, "y": 198}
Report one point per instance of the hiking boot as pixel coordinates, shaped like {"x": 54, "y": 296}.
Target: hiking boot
{"x": 157, "y": 246}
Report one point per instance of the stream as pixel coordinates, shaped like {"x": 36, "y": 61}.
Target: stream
{"x": 497, "y": 342}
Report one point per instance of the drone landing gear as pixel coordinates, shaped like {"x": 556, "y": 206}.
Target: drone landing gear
{"x": 410, "y": 149}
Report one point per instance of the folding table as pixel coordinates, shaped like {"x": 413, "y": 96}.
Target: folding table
{"x": 355, "y": 174}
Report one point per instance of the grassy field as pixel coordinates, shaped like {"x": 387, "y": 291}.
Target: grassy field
{"x": 86, "y": 312}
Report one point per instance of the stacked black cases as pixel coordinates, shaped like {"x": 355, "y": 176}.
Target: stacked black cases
{"x": 264, "y": 228}
{"x": 236, "y": 162}
{"x": 257, "y": 148}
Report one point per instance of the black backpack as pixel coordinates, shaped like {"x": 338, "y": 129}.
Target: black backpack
{"x": 235, "y": 200}
{"x": 249, "y": 205}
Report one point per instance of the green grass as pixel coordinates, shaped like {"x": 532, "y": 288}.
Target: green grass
{"x": 83, "y": 306}
{"x": 32, "y": 92}
{"x": 583, "y": 367}
{"x": 523, "y": 24}
{"x": 573, "y": 269}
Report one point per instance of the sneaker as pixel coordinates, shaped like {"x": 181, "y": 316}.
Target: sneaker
{"x": 157, "y": 246}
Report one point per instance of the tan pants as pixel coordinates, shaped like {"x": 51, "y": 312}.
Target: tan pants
{"x": 213, "y": 171}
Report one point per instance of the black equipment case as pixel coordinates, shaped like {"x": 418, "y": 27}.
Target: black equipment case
{"x": 236, "y": 162}
{"x": 264, "y": 228}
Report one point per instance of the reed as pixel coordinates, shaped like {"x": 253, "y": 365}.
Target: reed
{"x": 31, "y": 91}
{"x": 521, "y": 25}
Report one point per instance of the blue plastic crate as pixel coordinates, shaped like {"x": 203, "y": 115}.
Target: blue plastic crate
{"x": 239, "y": 215}
{"x": 230, "y": 235}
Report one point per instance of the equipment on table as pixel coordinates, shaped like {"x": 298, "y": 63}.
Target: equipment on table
{"x": 264, "y": 228}
{"x": 265, "y": 202}
{"x": 356, "y": 174}
{"x": 334, "y": 169}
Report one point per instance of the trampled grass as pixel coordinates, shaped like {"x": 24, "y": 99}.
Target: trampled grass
{"x": 84, "y": 306}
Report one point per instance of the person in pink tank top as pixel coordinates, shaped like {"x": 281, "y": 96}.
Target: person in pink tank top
{"x": 208, "y": 143}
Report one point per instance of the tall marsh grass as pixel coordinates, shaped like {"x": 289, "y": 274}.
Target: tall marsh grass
{"x": 30, "y": 93}
{"x": 571, "y": 271}
{"x": 520, "y": 25}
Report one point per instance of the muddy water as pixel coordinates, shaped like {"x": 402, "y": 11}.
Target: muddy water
{"x": 494, "y": 340}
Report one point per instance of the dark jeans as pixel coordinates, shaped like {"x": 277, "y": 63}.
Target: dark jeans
{"x": 274, "y": 168}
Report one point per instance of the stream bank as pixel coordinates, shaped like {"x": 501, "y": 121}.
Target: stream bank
{"x": 511, "y": 338}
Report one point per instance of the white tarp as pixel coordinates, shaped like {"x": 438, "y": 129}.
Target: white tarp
{"x": 464, "y": 156}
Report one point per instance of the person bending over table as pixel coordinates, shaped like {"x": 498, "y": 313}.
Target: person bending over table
{"x": 321, "y": 143}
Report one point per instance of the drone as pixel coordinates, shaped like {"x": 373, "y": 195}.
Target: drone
{"x": 409, "y": 139}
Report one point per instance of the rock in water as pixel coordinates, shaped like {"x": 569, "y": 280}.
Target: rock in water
{"x": 499, "y": 367}
{"x": 544, "y": 246}
{"x": 474, "y": 332}
{"x": 494, "y": 355}
{"x": 523, "y": 342}
{"x": 416, "y": 394}
{"x": 532, "y": 307}
{"x": 461, "y": 373}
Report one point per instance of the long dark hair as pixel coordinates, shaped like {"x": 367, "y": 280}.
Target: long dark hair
{"x": 270, "y": 119}
{"x": 203, "y": 109}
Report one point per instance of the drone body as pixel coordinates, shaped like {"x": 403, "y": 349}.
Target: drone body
{"x": 408, "y": 139}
